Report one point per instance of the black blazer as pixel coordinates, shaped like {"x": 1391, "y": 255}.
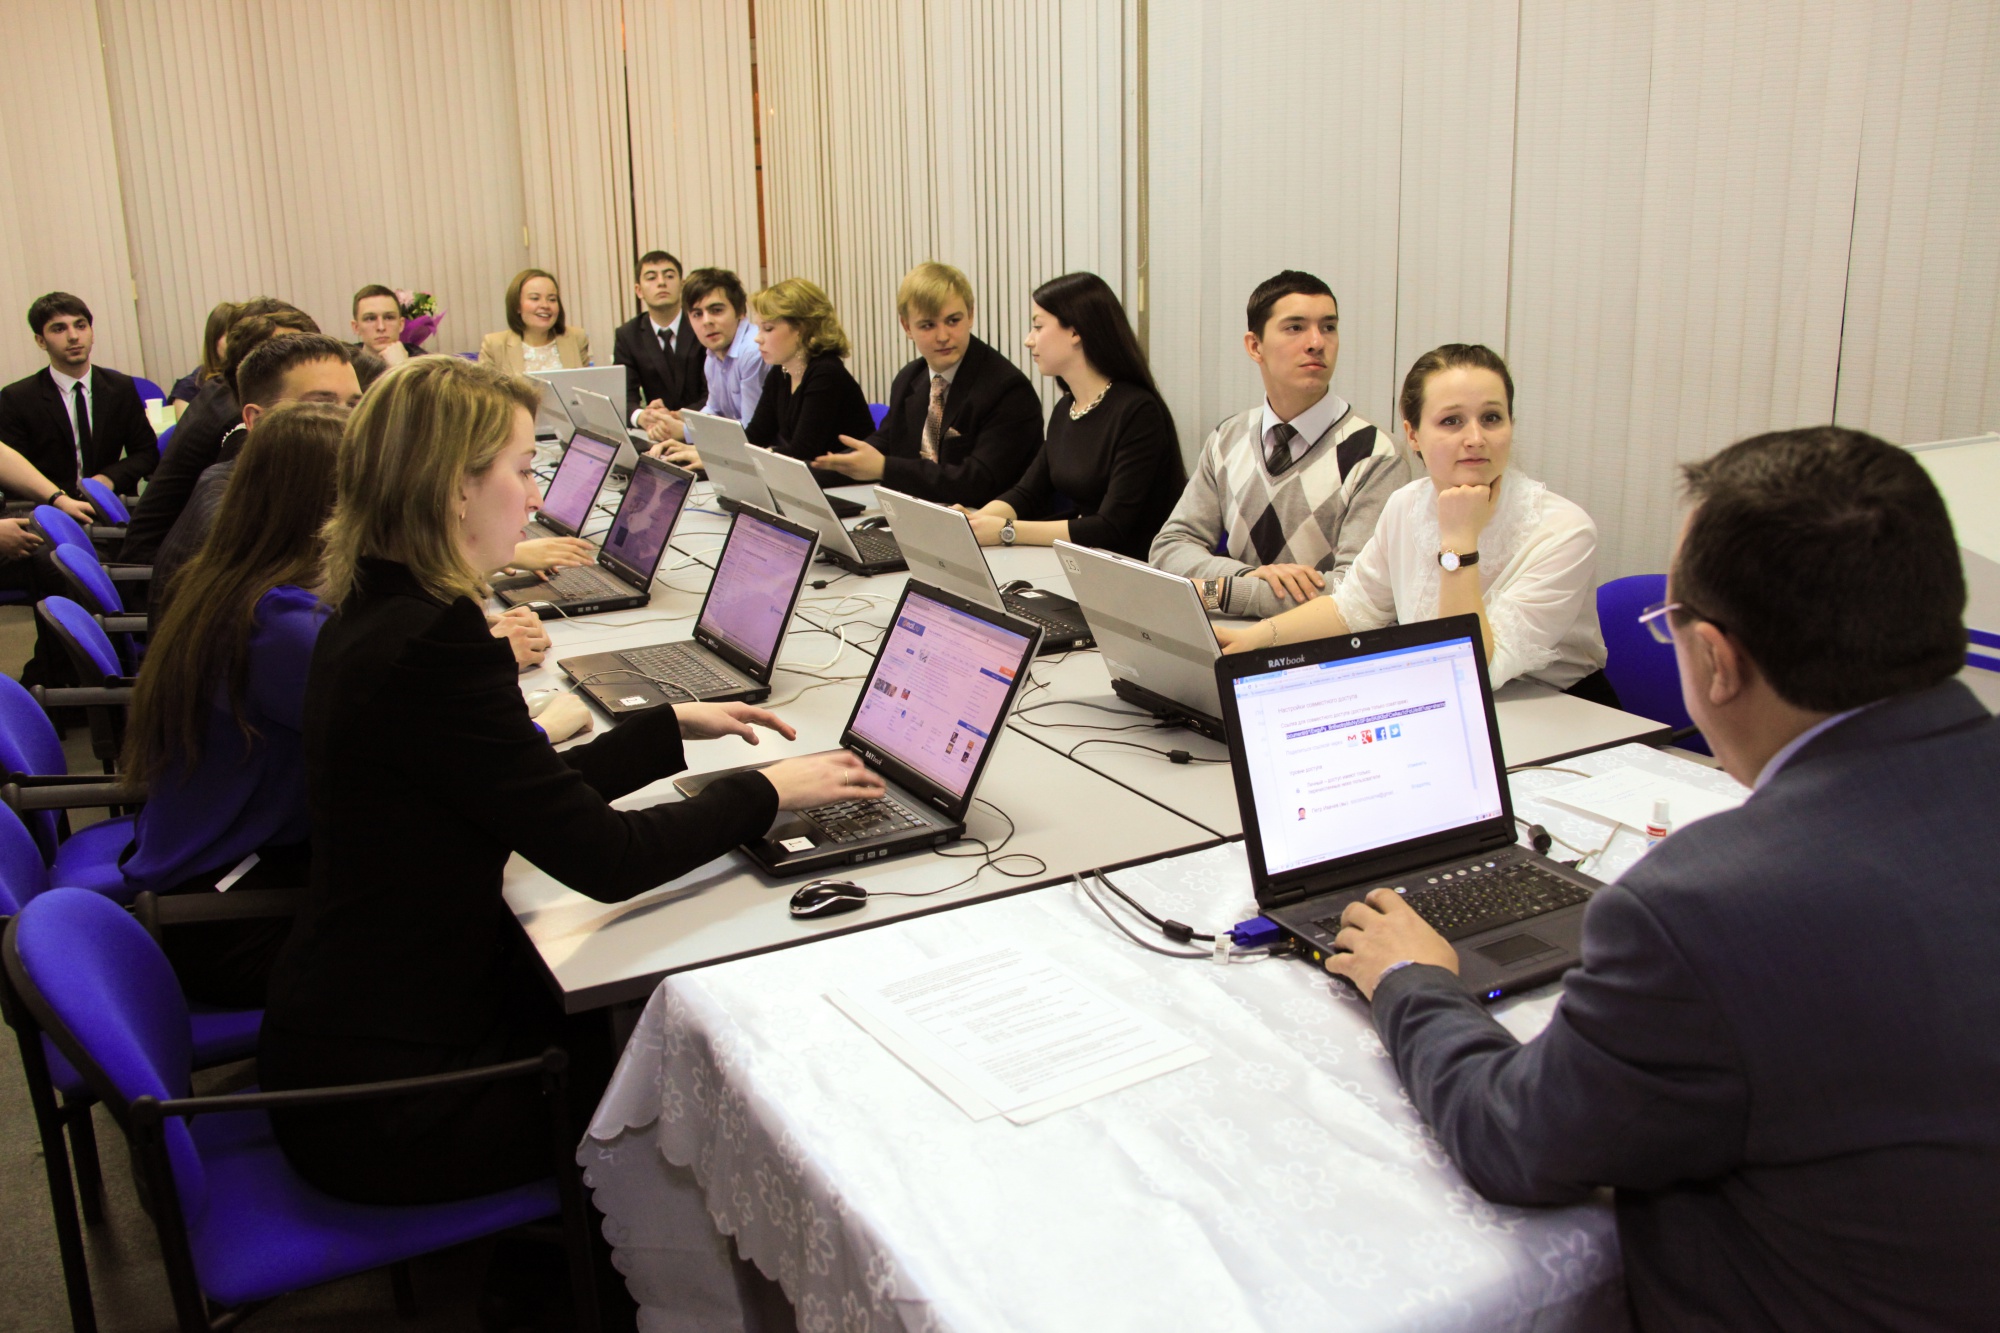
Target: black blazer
{"x": 992, "y": 428}
{"x": 424, "y": 773}
{"x": 1779, "y": 1048}
{"x": 122, "y": 447}
{"x": 196, "y": 446}
{"x": 808, "y": 423}
{"x": 678, "y": 380}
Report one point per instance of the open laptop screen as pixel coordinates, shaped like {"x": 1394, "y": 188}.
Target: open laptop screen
{"x": 755, "y": 581}
{"x": 646, "y": 518}
{"x": 577, "y": 480}
{"x": 1361, "y": 753}
{"x": 937, "y": 690}
{"x": 596, "y": 412}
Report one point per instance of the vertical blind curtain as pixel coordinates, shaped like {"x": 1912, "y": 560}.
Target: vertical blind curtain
{"x": 989, "y": 134}
{"x": 62, "y": 224}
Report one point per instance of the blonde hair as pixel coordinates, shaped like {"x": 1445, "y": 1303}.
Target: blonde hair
{"x": 928, "y": 286}
{"x": 418, "y": 434}
{"x": 807, "y": 308}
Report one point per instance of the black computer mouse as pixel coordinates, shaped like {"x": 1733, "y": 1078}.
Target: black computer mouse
{"x": 871, "y": 524}
{"x": 827, "y": 897}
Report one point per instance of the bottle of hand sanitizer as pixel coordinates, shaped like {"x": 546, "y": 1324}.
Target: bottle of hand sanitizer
{"x": 1661, "y": 824}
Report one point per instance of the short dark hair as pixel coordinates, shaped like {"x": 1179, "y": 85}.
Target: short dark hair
{"x": 522, "y": 279}
{"x": 262, "y": 372}
{"x": 1829, "y": 556}
{"x": 1447, "y": 357}
{"x": 263, "y": 319}
{"x": 368, "y": 367}
{"x": 655, "y": 257}
{"x": 372, "y": 290}
{"x": 48, "y": 307}
{"x": 1279, "y": 285}
{"x": 698, "y": 284}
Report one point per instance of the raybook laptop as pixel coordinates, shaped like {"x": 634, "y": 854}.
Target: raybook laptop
{"x": 863, "y": 551}
{"x": 938, "y": 544}
{"x": 622, "y": 578}
{"x": 727, "y": 457}
{"x": 1372, "y": 760}
{"x": 736, "y": 637}
{"x": 594, "y": 411}
{"x": 1153, "y": 633}
{"x": 579, "y": 478}
{"x": 926, "y": 720}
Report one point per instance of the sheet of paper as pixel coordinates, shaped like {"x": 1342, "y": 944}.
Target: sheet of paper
{"x": 1002, "y": 1031}
{"x": 1625, "y": 796}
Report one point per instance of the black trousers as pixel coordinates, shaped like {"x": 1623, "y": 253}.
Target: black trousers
{"x": 1596, "y": 687}
{"x": 228, "y": 963}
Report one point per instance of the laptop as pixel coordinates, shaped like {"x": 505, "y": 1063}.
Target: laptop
{"x": 736, "y": 637}
{"x": 607, "y": 380}
{"x": 728, "y": 458}
{"x": 1373, "y": 760}
{"x": 552, "y": 423}
{"x": 926, "y": 719}
{"x": 1153, "y": 633}
{"x": 574, "y": 489}
{"x": 622, "y": 578}
{"x": 593, "y": 410}
{"x": 862, "y": 551}
{"x": 938, "y": 544}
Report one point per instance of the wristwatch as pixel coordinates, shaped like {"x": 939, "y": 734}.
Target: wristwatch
{"x": 1007, "y": 533}
{"x": 54, "y": 496}
{"x": 1451, "y": 560}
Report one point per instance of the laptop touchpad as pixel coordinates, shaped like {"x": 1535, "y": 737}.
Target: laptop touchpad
{"x": 1513, "y": 949}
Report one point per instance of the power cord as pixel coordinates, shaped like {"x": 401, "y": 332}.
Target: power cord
{"x": 1248, "y": 941}
{"x": 990, "y": 858}
{"x": 1173, "y": 756}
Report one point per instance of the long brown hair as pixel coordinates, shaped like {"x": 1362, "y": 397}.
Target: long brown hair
{"x": 219, "y": 320}
{"x": 266, "y": 534}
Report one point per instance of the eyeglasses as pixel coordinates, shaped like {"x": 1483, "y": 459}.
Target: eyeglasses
{"x": 1654, "y": 618}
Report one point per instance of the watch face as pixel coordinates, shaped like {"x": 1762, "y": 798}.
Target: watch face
{"x": 1449, "y": 559}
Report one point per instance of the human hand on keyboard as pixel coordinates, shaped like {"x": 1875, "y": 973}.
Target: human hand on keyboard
{"x": 705, "y": 722}
{"x": 1381, "y": 930}
{"x": 814, "y": 780}
{"x": 552, "y": 553}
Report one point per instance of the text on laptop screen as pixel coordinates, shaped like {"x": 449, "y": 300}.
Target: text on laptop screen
{"x": 645, "y": 519}
{"x": 577, "y": 479}
{"x": 935, "y": 695}
{"x": 1353, "y": 755}
{"x": 753, "y": 586}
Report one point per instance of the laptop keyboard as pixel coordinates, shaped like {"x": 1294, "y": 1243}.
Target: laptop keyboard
{"x": 875, "y": 545}
{"x": 1052, "y": 626}
{"x": 1469, "y": 899}
{"x": 685, "y": 666}
{"x": 851, "y": 821}
{"x": 580, "y": 582}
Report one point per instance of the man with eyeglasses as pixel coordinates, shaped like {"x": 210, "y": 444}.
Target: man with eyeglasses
{"x": 1779, "y": 1049}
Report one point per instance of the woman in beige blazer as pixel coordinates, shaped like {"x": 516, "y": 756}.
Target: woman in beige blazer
{"x": 538, "y": 335}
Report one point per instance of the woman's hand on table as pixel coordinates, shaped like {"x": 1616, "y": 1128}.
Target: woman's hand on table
{"x": 563, "y": 716}
{"x": 524, "y": 633}
{"x": 706, "y": 722}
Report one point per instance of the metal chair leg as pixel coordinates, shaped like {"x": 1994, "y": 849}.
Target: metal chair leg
{"x": 83, "y": 1148}
{"x": 405, "y": 1289}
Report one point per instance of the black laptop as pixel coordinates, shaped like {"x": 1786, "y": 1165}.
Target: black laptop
{"x": 1373, "y": 760}
{"x": 926, "y": 719}
{"x": 622, "y": 578}
{"x": 578, "y": 480}
{"x": 862, "y": 551}
{"x": 736, "y": 637}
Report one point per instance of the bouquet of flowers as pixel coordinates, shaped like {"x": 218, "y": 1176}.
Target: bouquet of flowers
{"x": 421, "y": 316}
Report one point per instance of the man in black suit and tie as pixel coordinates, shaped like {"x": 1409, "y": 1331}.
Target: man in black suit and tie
{"x": 76, "y": 420}
{"x": 1779, "y": 1049}
{"x": 661, "y": 355}
{"x": 963, "y": 421}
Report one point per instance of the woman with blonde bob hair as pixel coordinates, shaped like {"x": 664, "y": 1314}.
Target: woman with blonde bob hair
{"x": 810, "y": 398}
{"x": 426, "y": 772}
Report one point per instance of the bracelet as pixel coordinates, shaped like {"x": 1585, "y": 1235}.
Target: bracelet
{"x": 54, "y": 496}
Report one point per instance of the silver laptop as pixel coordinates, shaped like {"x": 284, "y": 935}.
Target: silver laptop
{"x": 938, "y": 545}
{"x": 589, "y": 408}
{"x": 552, "y": 423}
{"x": 607, "y": 380}
{"x": 1153, "y": 633}
{"x": 726, "y": 457}
{"x": 864, "y": 551}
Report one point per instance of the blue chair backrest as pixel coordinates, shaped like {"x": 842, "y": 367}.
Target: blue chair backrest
{"x": 1641, "y": 668}
{"x": 107, "y": 983}
{"x": 81, "y": 628}
{"x": 96, "y": 585}
{"x": 880, "y": 411}
{"x": 23, "y": 876}
{"x": 28, "y": 744}
{"x": 110, "y": 509}
{"x": 61, "y": 528}
{"x": 147, "y": 389}
{"x": 166, "y": 438}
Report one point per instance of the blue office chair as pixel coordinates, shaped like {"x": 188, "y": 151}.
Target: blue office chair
{"x": 237, "y": 1226}
{"x": 33, "y": 758}
{"x": 166, "y": 439}
{"x": 148, "y": 389}
{"x": 98, "y": 666}
{"x": 880, "y": 411}
{"x": 1642, "y": 669}
{"x": 105, "y": 500}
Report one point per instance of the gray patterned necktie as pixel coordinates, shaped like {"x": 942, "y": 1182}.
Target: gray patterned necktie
{"x": 1278, "y": 448}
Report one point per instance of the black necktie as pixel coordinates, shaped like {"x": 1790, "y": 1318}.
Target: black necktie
{"x": 662, "y": 335}
{"x": 82, "y": 429}
{"x": 1278, "y": 456}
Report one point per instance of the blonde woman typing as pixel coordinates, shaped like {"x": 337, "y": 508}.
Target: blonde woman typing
{"x": 538, "y": 335}
{"x": 1469, "y": 538}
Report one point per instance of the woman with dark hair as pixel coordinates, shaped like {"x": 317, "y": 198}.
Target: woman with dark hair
{"x": 212, "y": 351}
{"x": 1110, "y": 470}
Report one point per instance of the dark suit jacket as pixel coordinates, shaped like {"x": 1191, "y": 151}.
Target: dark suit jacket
{"x": 1782, "y": 1048}
{"x": 677, "y": 380}
{"x": 992, "y": 428}
{"x": 122, "y": 447}
{"x": 196, "y": 446}
{"x": 809, "y": 422}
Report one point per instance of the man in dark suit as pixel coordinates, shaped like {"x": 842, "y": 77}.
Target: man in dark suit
{"x": 963, "y": 422}
{"x": 76, "y": 420}
{"x": 661, "y": 355}
{"x": 1779, "y": 1048}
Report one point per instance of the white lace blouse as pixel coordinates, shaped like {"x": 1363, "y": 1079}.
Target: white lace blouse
{"x": 546, "y": 357}
{"x": 1537, "y": 575}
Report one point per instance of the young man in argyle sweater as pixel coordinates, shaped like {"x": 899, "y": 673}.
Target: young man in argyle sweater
{"x": 1286, "y": 494}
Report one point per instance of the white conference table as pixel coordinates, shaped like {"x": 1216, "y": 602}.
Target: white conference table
{"x": 1284, "y": 1182}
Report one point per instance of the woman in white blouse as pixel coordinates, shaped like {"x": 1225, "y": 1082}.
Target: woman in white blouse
{"x": 1469, "y": 538}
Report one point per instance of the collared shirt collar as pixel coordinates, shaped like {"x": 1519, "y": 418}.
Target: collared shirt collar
{"x": 1800, "y": 741}
{"x": 671, "y": 330}
{"x": 66, "y": 385}
{"x": 950, "y": 376}
{"x": 745, "y": 340}
{"x": 1310, "y": 424}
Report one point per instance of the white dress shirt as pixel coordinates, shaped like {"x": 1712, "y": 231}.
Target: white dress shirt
{"x": 1537, "y": 576}
{"x": 1310, "y": 424}
{"x": 66, "y": 389}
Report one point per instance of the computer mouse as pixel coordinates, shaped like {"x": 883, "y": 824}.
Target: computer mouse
{"x": 871, "y": 524}
{"x": 827, "y": 897}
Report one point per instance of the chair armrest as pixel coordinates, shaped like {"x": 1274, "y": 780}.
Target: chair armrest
{"x": 550, "y": 1063}
{"x": 128, "y": 624}
{"x": 184, "y": 909}
{"x": 106, "y": 532}
{"x": 78, "y": 796}
{"x": 82, "y": 696}
{"x": 129, "y": 573}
